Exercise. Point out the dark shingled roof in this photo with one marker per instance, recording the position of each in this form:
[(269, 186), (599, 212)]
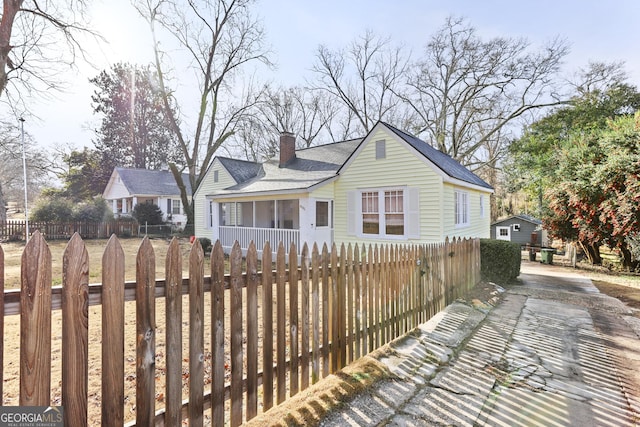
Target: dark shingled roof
[(446, 163), (314, 165), (523, 217), (240, 170), (149, 182), (310, 166)]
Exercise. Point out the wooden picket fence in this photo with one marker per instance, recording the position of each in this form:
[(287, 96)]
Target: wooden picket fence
[(324, 310), (15, 229)]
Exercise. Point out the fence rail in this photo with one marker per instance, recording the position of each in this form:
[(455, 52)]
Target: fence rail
[(280, 331), (13, 230)]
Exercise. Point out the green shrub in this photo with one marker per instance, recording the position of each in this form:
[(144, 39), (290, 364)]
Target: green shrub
[(147, 213), (205, 242), (50, 209), (95, 210), (500, 260)]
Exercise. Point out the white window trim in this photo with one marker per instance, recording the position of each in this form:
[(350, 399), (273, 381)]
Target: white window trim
[(210, 212), (381, 213), (461, 198), (482, 210), (173, 202)]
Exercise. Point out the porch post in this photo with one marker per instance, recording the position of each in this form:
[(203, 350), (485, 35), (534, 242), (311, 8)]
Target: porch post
[(215, 220), (306, 217)]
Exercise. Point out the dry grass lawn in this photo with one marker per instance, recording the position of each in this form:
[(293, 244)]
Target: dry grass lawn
[(95, 248)]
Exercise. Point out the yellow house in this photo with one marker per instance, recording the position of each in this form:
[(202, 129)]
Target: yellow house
[(386, 187)]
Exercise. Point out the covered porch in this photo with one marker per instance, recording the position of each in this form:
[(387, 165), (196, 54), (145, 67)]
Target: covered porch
[(295, 220)]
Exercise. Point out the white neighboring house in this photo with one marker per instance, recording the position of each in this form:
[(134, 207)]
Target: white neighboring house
[(127, 187)]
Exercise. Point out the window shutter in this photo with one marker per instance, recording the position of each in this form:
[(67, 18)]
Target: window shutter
[(169, 206), (413, 213), (352, 212)]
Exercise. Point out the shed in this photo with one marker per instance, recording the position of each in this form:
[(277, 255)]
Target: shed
[(520, 229)]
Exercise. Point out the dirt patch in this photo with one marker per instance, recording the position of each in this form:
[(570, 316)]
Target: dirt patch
[(627, 294)]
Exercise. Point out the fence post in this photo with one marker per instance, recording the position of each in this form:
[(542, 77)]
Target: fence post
[(113, 333), (294, 337), (217, 335), (235, 261), (315, 313), (145, 333), (75, 332), (252, 332), (196, 335), (173, 334), (35, 323), (325, 310), (281, 319), (267, 321), (304, 312)]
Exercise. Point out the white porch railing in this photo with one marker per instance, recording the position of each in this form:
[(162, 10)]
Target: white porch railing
[(244, 236)]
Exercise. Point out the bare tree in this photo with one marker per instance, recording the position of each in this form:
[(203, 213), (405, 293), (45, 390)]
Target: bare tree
[(37, 39), (31, 36), (38, 166), (307, 114), (465, 92), (220, 38), (365, 79)]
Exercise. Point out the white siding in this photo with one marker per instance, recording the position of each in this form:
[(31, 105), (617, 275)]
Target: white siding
[(116, 190), (201, 204)]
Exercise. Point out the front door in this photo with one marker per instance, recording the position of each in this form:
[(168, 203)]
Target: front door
[(503, 233), (324, 223)]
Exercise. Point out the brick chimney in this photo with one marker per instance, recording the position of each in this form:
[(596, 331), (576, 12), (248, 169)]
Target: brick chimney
[(287, 148)]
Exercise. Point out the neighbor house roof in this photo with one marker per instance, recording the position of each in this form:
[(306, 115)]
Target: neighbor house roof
[(523, 217), (151, 182), (311, 166), (446, 163)]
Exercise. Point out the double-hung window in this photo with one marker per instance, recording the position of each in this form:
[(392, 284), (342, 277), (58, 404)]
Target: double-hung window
[(176, 204), (383, 212), (370, 212), (461, 208)]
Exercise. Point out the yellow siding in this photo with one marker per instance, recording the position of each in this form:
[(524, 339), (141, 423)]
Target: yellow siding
[(400, 167), (478, 226), (208, 186), (324, 192)]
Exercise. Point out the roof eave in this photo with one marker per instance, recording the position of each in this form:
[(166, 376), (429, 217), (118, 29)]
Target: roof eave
[(241, 195), (461, 183)]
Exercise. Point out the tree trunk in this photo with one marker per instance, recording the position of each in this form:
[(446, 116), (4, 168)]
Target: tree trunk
[(592, 251), (3, 210), (187, 199), (10, 9), (628, 263)]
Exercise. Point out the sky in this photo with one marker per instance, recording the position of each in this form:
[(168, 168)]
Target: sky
[(595, 30)]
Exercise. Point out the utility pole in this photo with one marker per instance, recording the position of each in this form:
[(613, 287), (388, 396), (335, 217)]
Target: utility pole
[(24, 170)]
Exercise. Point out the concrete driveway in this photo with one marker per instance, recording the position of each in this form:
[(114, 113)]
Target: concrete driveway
[(553, 352)]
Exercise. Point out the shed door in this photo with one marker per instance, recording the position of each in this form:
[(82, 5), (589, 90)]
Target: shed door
[(503, 233)]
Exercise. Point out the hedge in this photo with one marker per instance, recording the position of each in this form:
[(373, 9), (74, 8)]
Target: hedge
[(500, 260)]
